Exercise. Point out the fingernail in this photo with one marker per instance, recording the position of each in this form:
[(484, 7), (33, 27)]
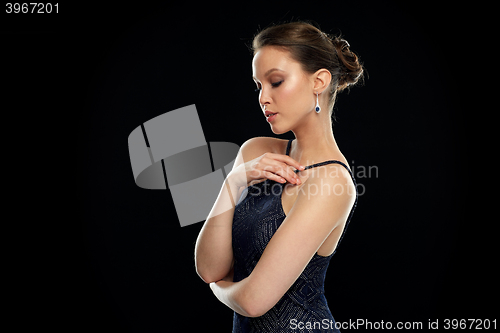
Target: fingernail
[(302, 167)]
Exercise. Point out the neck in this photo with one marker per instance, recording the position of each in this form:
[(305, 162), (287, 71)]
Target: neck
[(314, 139)]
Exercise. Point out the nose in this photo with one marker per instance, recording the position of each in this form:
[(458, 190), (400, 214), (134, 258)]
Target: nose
[(264, 98)]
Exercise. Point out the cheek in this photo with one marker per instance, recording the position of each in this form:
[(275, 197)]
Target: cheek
[(295, 96)]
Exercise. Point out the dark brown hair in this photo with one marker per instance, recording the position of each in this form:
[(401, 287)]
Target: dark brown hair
[(314, 50)]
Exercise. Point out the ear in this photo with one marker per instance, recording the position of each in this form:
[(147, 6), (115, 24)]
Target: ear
[(321, 79)]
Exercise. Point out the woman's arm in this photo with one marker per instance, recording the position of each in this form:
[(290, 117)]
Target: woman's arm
[(232, 294), (320, 207), (213, 252)]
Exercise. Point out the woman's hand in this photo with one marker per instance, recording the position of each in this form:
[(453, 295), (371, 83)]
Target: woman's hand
[(277, 167)]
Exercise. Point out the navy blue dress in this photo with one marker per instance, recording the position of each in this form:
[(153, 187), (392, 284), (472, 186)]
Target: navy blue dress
[(303, 308)]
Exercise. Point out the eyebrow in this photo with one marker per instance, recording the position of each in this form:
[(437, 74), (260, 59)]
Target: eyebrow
[(270, 71)]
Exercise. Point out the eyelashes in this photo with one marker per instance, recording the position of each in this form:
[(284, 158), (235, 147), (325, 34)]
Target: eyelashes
[(277, 84), (274, 85)]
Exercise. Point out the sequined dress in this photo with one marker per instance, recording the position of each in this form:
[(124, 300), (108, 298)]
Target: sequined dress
[(303, 308)]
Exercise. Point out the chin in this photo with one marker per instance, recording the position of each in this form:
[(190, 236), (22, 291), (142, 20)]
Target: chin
[(277, 131), (280, 127)]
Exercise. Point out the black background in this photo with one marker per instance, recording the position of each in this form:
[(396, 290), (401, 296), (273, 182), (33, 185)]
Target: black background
[(103, 254)]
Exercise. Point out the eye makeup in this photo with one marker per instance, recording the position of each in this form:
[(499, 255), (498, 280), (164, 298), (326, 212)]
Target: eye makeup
[(273, 84)]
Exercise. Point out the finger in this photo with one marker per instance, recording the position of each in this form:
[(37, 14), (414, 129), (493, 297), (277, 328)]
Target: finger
[(283, 170), (273, 176), (290, 161), (286, 171), (282, 165)]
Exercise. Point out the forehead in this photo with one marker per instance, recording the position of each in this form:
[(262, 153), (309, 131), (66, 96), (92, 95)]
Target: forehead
[(270, 57)]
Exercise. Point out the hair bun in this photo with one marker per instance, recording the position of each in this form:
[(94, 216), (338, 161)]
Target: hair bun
[(351, 71)]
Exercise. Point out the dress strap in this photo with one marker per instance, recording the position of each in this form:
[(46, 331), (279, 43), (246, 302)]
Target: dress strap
[(289, 145), (329, 162)]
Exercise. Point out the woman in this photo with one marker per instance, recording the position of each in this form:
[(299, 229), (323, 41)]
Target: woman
[(266, 258)]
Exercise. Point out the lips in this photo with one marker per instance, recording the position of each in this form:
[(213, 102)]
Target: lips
[(269, 114)]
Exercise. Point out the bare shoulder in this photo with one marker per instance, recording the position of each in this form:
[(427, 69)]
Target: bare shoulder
[(333, 180), (255, 147)]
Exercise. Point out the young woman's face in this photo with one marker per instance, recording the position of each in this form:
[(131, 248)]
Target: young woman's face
[(285, 89)]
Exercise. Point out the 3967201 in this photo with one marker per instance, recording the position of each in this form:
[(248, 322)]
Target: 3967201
[(470, 324), (31, 8)]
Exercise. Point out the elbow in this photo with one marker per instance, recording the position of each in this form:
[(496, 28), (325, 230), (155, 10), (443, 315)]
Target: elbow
[(254, 311), (252, 305), (209, 271), (207, 274), (207, 278), (203, 271)]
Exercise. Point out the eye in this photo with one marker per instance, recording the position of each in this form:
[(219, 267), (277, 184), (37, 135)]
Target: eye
[(259, 88), (276, 84)]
